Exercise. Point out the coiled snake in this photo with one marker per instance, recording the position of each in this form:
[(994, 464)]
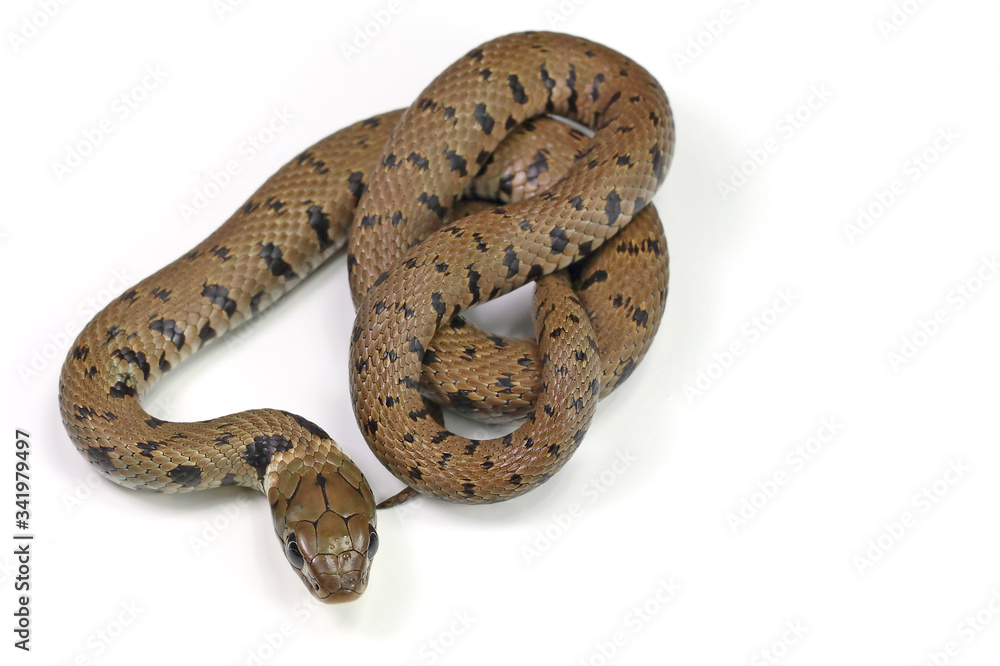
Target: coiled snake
[(387, 185)]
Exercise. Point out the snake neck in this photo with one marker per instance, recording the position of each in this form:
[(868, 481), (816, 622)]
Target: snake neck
[(227, 280)]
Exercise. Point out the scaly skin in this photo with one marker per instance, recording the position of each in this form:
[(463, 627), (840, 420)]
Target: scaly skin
[(457, 120), (323, 509)]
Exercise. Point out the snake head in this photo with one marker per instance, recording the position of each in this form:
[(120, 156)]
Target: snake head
[(324, 515)]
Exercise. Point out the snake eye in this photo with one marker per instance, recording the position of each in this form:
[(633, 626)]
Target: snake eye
[(293, 553), (372, 542)]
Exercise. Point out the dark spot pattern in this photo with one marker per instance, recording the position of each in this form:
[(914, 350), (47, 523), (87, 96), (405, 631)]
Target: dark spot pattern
[(147, 448), (121, 389), (309, 160), (188, 476), (221, 252), (261, 450), (511, 261), (432, 202), (558, 239), (596, 276), (418, 161), (278, 206), (456, 162), (613, 207), (162, 294), (100, 457), (437, 302), (135, 358), (484, 119), (255, 302), (219, 296), (273, 258), (355, 185), (573, 94), (168, 329), (595, 92), (206, 333), (517, 89), (319, 220), (473, 283)]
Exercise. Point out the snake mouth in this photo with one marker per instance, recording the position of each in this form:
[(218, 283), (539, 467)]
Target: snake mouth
[(338, 578)]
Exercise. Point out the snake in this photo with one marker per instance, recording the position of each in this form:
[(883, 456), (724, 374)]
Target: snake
[(477, 188)]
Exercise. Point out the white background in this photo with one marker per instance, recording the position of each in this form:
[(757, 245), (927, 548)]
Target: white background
[(803, 558)]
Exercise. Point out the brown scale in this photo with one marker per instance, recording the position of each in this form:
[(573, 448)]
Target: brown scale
[(323, 509), (623, 286), (467, 108)]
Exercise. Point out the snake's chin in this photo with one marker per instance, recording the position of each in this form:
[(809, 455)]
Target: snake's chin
[(341, 596)]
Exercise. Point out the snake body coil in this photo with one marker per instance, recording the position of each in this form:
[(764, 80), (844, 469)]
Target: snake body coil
[(387, 185)]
